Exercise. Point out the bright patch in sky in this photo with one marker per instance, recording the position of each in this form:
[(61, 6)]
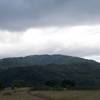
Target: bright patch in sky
[(82, 41)]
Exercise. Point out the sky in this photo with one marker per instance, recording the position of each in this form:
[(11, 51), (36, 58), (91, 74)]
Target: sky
[(68, 27)]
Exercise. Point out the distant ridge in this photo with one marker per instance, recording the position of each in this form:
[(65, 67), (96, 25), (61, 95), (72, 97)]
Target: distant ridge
[(37, 69), (41, 60)]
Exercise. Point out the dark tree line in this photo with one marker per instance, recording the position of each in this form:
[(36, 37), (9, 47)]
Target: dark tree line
[(51, 84), (2, 86)]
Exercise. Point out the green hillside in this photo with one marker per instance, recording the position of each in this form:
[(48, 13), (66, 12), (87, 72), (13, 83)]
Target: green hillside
[(42, 60), (39, 69)]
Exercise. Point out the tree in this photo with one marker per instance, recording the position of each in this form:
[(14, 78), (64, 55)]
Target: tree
[(18, 84), (51, 83), (67, 84), (1, 85)]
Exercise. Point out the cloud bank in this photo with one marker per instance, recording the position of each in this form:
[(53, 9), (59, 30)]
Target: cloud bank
[(19, 15), (54, 40), (70, 27)]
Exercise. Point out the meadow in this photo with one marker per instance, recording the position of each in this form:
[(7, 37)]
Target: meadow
[(24, 94)]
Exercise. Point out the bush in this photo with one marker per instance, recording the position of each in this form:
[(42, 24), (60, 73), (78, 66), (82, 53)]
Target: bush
[(17, 84), (7, 93), (1, 85), (67, 84)]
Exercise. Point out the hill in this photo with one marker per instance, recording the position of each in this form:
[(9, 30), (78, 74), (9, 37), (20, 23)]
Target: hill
[(38, 69), (42, 60)]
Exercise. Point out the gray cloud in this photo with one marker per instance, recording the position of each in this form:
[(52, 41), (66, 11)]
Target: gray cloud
[(79, 41), (22, 14)]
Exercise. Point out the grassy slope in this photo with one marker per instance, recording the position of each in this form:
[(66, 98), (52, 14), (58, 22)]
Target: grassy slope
[(69, 95), (50, 95), (18, 94)]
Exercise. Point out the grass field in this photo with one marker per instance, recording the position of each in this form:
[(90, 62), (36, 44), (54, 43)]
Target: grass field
[(69, 95), (22, 94)]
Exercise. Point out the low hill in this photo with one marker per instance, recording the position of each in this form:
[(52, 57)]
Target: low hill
[(39, 69), (42, 60)]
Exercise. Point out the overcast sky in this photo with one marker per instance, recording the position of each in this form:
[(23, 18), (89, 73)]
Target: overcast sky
[(70, 27)]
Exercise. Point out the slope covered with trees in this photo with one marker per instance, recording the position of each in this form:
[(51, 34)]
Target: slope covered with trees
[(42, 60), (46, 69)]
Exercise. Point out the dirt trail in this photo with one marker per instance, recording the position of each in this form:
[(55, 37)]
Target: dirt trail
[(38, 98), (35, 97)]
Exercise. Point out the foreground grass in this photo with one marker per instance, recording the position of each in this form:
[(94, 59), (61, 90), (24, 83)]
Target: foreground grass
[(69, 95), (23, 94), (19, 94)]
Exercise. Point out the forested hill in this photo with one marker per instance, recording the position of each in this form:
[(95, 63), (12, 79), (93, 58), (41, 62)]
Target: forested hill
[(39, 69), (44, 60)]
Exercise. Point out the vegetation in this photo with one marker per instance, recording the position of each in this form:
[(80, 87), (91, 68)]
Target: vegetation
[(17, 84), (68, 95), (45, 60), (86, 77), (23, 94), (1, 85), (56, 71)]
